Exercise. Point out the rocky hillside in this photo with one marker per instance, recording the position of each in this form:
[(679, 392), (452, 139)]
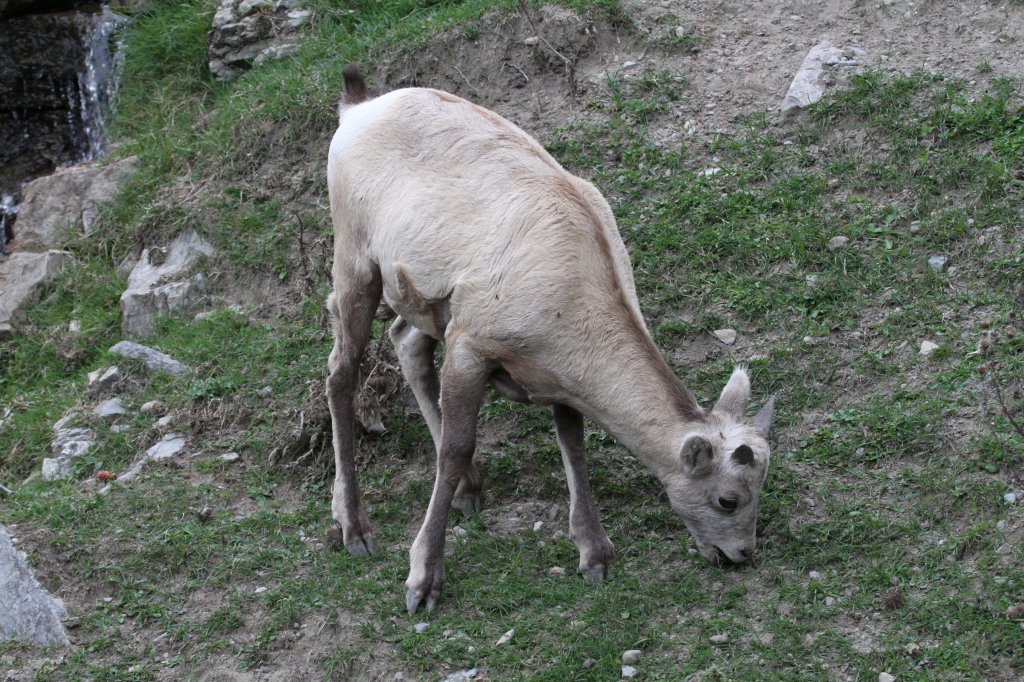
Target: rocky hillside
[(829, 195)]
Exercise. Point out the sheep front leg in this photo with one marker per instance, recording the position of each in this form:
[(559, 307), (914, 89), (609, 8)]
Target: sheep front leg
[(415, 351), (585, 529), (462, 384)]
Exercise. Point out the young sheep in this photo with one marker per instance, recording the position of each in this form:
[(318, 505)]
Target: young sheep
[(476, 236)]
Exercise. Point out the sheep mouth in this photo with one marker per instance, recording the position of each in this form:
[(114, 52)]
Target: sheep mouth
[(722, 558)]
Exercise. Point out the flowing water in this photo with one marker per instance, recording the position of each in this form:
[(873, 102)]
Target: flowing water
[(60, 76)]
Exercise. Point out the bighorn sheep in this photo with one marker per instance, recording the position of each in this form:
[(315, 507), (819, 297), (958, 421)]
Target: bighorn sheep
[(476, 236)]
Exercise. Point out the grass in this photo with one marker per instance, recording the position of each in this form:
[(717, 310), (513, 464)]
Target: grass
[(885, 543)]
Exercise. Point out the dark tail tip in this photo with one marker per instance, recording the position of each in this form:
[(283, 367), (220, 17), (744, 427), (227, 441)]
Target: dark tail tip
[(355, 85)]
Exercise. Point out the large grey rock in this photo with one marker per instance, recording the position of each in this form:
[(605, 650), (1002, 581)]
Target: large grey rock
[(27, 611), (247, 33), (104, 380), (154, 360), (22, 279), (69, 443), (55, 206), (110, 410), (155, 287), (817, 72)]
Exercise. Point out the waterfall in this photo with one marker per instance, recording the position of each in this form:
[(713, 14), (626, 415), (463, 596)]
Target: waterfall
[(58, 71)]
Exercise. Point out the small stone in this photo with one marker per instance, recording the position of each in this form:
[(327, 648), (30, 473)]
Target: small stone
[(830, 601), (1010, 498), (109, 410), (74, 326), (1001, 525), (166, 447), (628, 671), (154, 360), (720, 639), (420, 628), (708, 172), (913, 648), (104, 380), (230, 457), (837, 243), (265, 391), (726, 336), (886, 677), (531, 41), (460, 533), (927, 347), (1015, 611), (259, 590), (717, 587), (631, 656), (537, 526), (629, 64), (680, 31), (462, 676), (589, 663), (504, 639), (204, 514), (152, 407), (557, 571), (1004, 548), (165, 421), (937, 263), (814, 575)]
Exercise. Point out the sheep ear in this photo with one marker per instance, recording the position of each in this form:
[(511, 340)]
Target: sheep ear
[(696, 455), (763, 419), (735, 395)]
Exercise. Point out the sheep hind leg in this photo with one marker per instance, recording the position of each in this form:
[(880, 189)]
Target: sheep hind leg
[(415, 351), (352, 307)]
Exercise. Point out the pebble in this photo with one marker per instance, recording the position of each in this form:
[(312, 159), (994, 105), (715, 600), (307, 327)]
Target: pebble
[(814, 575), (631, 656), (837, 243), (708, 172), (532, 40), (1004, 549), (629, 64), (589, 663), (720, 639), (936, 263), (460, 532), (1010, 498), (420, 628), (259, 590), (886, 677), (628, 671), (537, 526), (913, 648), (230, 457), (505, 638), (927, 347), (556, 570), (717, 587), (164, 422), (830, 601), (265, 391), (1001, 525), (461, 676), (152, 407), (726, 336)]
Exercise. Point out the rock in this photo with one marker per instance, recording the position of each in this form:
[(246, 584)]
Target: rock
[(165, 421), (837, 243), (537, 526), (1004, 548), (460, 533), (531, 41), (27, 611), (557, 571), (719, 639), (815, 75), (462, 676), (628, 671), (55, 205), (230, 457), (708, 172), (814, 575), (109, 410), (927, 347), (589, 663), (154, 360), (631, 656), (936, 263), (421, 627), (913, 649), (247, 33), (155, 288), (1015, 611), (726, 336), (505, 638), (1010, 498), (265, 392), (152, 407), (104, 380), (167, 447), (830, 601), (23, 276), (886, 677), (68, 444)]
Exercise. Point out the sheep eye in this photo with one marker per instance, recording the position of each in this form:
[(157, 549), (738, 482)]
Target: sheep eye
[(727, 503)]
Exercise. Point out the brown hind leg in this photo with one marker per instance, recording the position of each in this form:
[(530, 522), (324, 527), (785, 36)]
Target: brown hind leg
[(352, 306)]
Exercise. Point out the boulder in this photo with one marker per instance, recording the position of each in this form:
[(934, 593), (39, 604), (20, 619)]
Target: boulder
[(247, 33), (67, 201), (818, 71), (27, 611), (156, 287), (22, 279)]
